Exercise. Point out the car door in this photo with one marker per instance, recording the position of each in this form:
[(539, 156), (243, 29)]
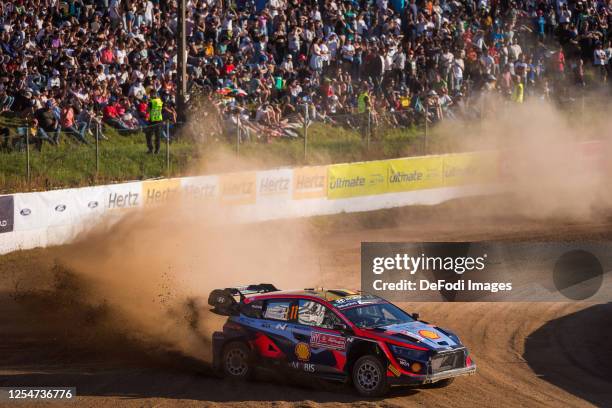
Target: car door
[(320, 348), (273, 338)]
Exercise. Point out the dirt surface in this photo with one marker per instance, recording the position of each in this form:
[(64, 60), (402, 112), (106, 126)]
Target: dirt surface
[(528, 354)]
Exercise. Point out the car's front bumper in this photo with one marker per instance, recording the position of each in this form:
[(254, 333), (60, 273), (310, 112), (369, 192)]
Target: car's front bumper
[(433, 377), (443, 375)]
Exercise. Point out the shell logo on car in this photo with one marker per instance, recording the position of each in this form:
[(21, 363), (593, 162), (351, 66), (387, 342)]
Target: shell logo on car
[(428, 334), (302, 351)]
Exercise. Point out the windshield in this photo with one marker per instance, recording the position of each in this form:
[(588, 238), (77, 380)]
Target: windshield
[(377, 315)]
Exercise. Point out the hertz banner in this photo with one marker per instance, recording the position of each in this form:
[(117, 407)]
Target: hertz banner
[(238, 188), (309, 182), (357, 179), (415, 173), (200, 188), (156, 192)]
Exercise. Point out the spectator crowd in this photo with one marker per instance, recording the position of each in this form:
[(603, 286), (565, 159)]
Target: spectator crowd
[(70, 64)]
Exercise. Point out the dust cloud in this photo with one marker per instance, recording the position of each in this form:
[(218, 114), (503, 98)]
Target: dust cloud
[(552, 161), (157, 266)]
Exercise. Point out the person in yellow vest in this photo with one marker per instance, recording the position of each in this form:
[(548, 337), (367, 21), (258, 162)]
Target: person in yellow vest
[(363, 100), (364, 106), (518, 91), (155, 123)]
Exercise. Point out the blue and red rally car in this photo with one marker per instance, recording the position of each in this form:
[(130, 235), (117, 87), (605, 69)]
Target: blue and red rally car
[(334, 334)]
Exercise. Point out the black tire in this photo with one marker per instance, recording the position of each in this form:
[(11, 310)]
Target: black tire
[(441, 383), (237, 361), (370, 376)]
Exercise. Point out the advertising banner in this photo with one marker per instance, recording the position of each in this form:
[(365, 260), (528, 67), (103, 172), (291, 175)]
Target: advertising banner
[(91, 200), (30, 212), (123, 196), (200, 188), (415, 173), (274, 185), (45, 209), (471, 168), (68, 207), (156, 192), (238, 188), (7, 212), (357, 179), (309, 182)]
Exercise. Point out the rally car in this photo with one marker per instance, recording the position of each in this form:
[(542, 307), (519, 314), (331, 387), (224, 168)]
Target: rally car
[(334, 334)]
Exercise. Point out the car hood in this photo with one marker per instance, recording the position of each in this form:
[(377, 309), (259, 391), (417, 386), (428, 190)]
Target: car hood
[(418, 332)]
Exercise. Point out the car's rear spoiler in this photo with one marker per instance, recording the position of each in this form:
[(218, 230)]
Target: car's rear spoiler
[(224, 301)]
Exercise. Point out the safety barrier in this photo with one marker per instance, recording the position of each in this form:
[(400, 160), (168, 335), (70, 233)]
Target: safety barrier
[(40, 219)]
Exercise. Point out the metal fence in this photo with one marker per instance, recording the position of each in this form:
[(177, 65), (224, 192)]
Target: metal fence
[(33, 151), (372, 127)]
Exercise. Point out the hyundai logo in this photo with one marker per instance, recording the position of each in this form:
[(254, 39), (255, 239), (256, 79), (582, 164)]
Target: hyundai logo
[(92, 204), (25, 212), (60, 207)]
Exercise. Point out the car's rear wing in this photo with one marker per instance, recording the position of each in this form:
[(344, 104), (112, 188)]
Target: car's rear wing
[(224, 301)]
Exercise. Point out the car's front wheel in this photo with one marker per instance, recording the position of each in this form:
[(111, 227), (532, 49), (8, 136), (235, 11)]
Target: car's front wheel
[(370, 376), (237, 361)]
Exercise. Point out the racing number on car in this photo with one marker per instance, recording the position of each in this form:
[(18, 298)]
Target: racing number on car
[(293, 311)]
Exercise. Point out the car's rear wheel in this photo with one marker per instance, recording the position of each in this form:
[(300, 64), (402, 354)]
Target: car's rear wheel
[(237, 361), (370, 376)]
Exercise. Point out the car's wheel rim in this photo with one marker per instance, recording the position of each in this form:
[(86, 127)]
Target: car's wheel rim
[(368, 376), (236, 362)]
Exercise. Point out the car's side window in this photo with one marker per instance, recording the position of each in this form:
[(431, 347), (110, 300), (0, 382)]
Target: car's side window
[(281, 309), (311, 313), (331, 319)]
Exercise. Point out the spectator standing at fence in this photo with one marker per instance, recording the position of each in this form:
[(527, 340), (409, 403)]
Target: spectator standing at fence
[(170, 114), (154, 128), (363, 100), (518, 90)]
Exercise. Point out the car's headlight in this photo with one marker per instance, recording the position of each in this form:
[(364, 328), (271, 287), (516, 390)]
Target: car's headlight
[(410, 354)]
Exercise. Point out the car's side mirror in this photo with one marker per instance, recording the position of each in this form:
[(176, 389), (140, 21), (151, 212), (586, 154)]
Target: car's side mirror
[(415, 316)]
